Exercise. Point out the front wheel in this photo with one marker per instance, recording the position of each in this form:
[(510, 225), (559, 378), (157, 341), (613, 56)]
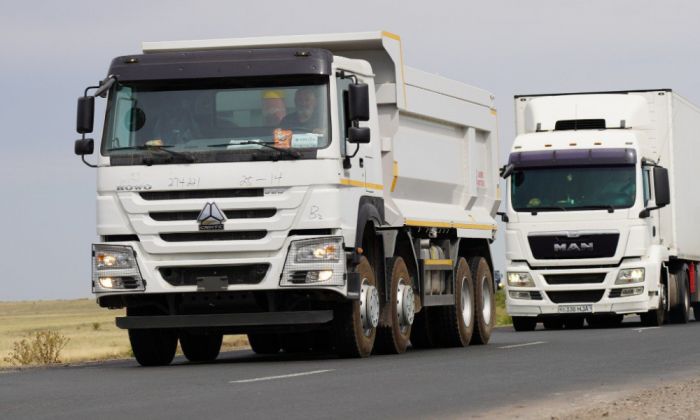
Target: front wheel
[(524, 323), (153, 347), (656, 317), (484, 298)]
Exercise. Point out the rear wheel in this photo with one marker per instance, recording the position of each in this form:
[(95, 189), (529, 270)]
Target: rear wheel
[(394, 330), (355, 324), (264, 343), (553, 323), (485, 307), (200, 347), (524, 323), (680, 312), (457, 321)]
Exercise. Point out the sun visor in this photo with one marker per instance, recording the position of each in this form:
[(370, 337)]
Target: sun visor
[(578, 157)]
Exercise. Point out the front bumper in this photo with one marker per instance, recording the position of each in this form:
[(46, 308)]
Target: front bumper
[(241, 320), (647, 300)]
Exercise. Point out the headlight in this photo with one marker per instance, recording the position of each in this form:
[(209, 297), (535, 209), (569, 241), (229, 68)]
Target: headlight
[(114, 268), (520, 280), (630, 275), (315, 261)]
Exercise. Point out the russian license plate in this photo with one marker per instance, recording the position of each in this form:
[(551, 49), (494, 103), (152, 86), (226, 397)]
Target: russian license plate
[(575, 309)]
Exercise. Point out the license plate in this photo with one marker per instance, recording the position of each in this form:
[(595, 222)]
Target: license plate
[(575, 309)]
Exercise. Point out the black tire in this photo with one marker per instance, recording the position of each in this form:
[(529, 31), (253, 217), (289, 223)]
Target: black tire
[(524, 323), (264, 343), (575, 323), (153, 347), (680, 311), (454, 329), (656, 317), (393, 334), (484, 297), (423, 335), (553, 323), (604, 321), (200, 347), (350, 337)]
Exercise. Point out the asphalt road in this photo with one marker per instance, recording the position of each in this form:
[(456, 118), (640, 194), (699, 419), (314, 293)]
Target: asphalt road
[(515, 368)]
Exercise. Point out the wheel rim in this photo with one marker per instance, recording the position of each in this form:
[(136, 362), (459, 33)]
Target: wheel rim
[(405, 309), (467, 309), (486, 297), (369, 307)]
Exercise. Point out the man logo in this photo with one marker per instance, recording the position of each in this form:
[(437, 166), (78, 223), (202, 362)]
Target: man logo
[(211, 218), (573, 247)]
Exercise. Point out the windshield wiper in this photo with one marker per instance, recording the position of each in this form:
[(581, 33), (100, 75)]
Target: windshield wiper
[(609, 207), (164, 148), (295, 155), (535, 210)]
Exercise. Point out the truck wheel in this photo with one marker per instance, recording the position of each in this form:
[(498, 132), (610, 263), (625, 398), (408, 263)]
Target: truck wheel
[(200, 347), (355, 324), (264, 343), (153, 347), (485, 308), (394, 330), (680, 312), (656, 317), (553, 324), (524, 323), (457, 321)]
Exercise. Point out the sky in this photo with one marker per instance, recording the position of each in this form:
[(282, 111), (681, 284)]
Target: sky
[(50, 51)]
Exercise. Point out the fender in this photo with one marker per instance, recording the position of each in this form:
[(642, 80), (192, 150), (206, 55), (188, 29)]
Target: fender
[(370, 209)]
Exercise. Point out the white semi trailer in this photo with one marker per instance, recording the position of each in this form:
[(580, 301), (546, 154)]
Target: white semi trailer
[(312, 192), (602, 209)]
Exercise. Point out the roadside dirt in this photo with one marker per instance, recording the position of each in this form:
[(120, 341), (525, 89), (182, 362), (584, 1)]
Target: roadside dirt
[(675, 399)]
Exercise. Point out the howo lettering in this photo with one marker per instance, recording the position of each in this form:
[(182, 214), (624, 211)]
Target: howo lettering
[(312, 192), (602, 209)]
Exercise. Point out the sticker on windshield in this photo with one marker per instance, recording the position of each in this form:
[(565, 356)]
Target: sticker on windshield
[(305, 140), (283, 138)]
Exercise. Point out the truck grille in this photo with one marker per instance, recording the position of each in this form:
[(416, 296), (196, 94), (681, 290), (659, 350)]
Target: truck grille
[(194, 194), (236, 274), (575, 296), (248, 235), (574, 278), (170, 216), (557, 247)]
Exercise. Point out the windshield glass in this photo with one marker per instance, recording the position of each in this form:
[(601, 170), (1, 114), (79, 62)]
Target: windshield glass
[(560, 189), (217, 120)]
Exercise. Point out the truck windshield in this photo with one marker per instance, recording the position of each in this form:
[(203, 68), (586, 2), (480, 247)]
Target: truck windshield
[(573, 188), (215, 121)]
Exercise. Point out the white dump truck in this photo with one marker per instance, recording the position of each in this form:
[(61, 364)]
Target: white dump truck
[(602, 210), (311, 192)]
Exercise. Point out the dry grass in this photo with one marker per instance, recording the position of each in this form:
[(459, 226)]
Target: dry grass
[(90, 329)]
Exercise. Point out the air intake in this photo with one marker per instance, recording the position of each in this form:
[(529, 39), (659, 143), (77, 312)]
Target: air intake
[(596, 124)]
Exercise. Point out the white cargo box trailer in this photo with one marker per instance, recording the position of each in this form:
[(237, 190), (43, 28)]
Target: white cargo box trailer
[(386, 195), (650, 263)]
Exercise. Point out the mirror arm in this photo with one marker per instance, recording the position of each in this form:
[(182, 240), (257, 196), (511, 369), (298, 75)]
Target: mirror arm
[(504, 216), (86, 162)]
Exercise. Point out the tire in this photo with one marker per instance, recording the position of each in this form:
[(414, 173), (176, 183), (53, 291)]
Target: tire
[(423, 335), (604, 321), (524, 323), (456, 326), (200, 347), (484, 296), (680, 312), (264, 343), (656, 317), (574, 323), (351, 336), (553, 323), (153, 347), (394, 329)]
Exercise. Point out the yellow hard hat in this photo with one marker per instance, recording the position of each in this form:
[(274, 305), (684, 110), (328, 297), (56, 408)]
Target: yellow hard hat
[(273, 94)]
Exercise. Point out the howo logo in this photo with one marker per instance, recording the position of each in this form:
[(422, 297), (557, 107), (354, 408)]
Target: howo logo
[(142, 187), (574, 247), (211, 217)]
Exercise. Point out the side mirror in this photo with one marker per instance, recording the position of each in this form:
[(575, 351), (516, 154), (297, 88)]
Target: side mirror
[(86, 114), (358, 134), (662, 191), (358, 102), (84, 147), (507, 170)]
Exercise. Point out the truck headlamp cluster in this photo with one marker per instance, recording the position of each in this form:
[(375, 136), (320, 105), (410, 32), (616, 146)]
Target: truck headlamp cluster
[(630, 276), (315, 261), (520, 280), (114, 268)]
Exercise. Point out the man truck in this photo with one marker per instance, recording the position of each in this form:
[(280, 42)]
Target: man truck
[(312, 192), (601, 210)]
